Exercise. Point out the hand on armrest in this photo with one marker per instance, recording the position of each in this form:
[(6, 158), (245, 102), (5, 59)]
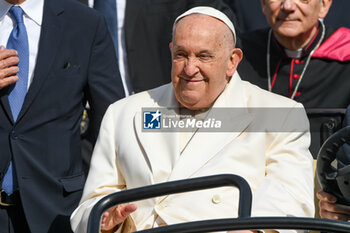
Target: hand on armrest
[(116, 215)]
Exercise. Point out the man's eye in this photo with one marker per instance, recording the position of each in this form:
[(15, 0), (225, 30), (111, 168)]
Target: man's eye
[(180, 55), (204, 56)]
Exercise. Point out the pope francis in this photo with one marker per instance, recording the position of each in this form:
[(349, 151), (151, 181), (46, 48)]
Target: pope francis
[(276, 163)]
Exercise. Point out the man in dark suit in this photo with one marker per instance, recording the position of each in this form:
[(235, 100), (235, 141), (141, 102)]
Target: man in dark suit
[(74, 62)]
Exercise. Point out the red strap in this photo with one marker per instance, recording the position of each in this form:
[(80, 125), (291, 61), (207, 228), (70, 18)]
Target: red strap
[(291, 77), (275, 75)]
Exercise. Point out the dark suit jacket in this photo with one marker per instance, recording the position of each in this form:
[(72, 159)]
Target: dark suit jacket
[(76, 62), (249, 15), (148, 29)]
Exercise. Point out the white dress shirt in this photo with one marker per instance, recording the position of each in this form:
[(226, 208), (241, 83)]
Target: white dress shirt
[(122, 58), (32, 17)]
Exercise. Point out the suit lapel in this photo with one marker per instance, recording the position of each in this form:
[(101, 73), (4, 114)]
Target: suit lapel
[(205, 145), (161, 148), (50, 37)]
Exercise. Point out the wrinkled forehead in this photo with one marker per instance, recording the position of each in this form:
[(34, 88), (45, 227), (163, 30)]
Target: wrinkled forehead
[(211, 12)]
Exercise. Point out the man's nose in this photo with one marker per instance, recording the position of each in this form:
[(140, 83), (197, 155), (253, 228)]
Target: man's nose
[(191, 67), (288, 5)]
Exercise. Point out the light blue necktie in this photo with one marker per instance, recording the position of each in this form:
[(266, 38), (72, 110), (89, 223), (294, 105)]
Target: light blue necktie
[(18, 40), (109, 9)]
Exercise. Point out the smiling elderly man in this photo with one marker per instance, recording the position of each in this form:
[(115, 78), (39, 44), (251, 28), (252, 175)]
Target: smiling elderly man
[(302, 58), (277, 165), (298, 56)]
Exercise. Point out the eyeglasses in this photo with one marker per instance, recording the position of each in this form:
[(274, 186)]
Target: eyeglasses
[(296, 1)]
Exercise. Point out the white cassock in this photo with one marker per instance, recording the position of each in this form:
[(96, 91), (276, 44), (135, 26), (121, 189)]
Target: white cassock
[(277, 165)]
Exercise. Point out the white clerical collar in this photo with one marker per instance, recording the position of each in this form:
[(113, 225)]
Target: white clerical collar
[(293, 53)]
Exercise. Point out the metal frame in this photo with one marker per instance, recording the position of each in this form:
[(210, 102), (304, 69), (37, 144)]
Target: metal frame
[(244, 221), (245, 195), (255, 223)]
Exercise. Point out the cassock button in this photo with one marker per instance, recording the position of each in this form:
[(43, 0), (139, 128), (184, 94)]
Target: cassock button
[(296, 76), (297, 93), (216, 199), (297, 61)]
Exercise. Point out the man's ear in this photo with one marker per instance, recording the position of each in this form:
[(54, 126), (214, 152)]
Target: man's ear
[(235, 59), (325, 6), (170, 46)]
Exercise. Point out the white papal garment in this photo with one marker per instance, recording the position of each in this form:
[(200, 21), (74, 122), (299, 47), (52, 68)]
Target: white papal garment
[(276, 164)]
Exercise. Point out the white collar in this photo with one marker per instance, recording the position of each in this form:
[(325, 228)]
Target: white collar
[(4, 8), (32, 8), (293, 53)]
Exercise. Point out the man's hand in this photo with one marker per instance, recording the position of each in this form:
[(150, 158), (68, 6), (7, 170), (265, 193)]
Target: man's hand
[(8, 66), (116, 215), (330, 209)]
